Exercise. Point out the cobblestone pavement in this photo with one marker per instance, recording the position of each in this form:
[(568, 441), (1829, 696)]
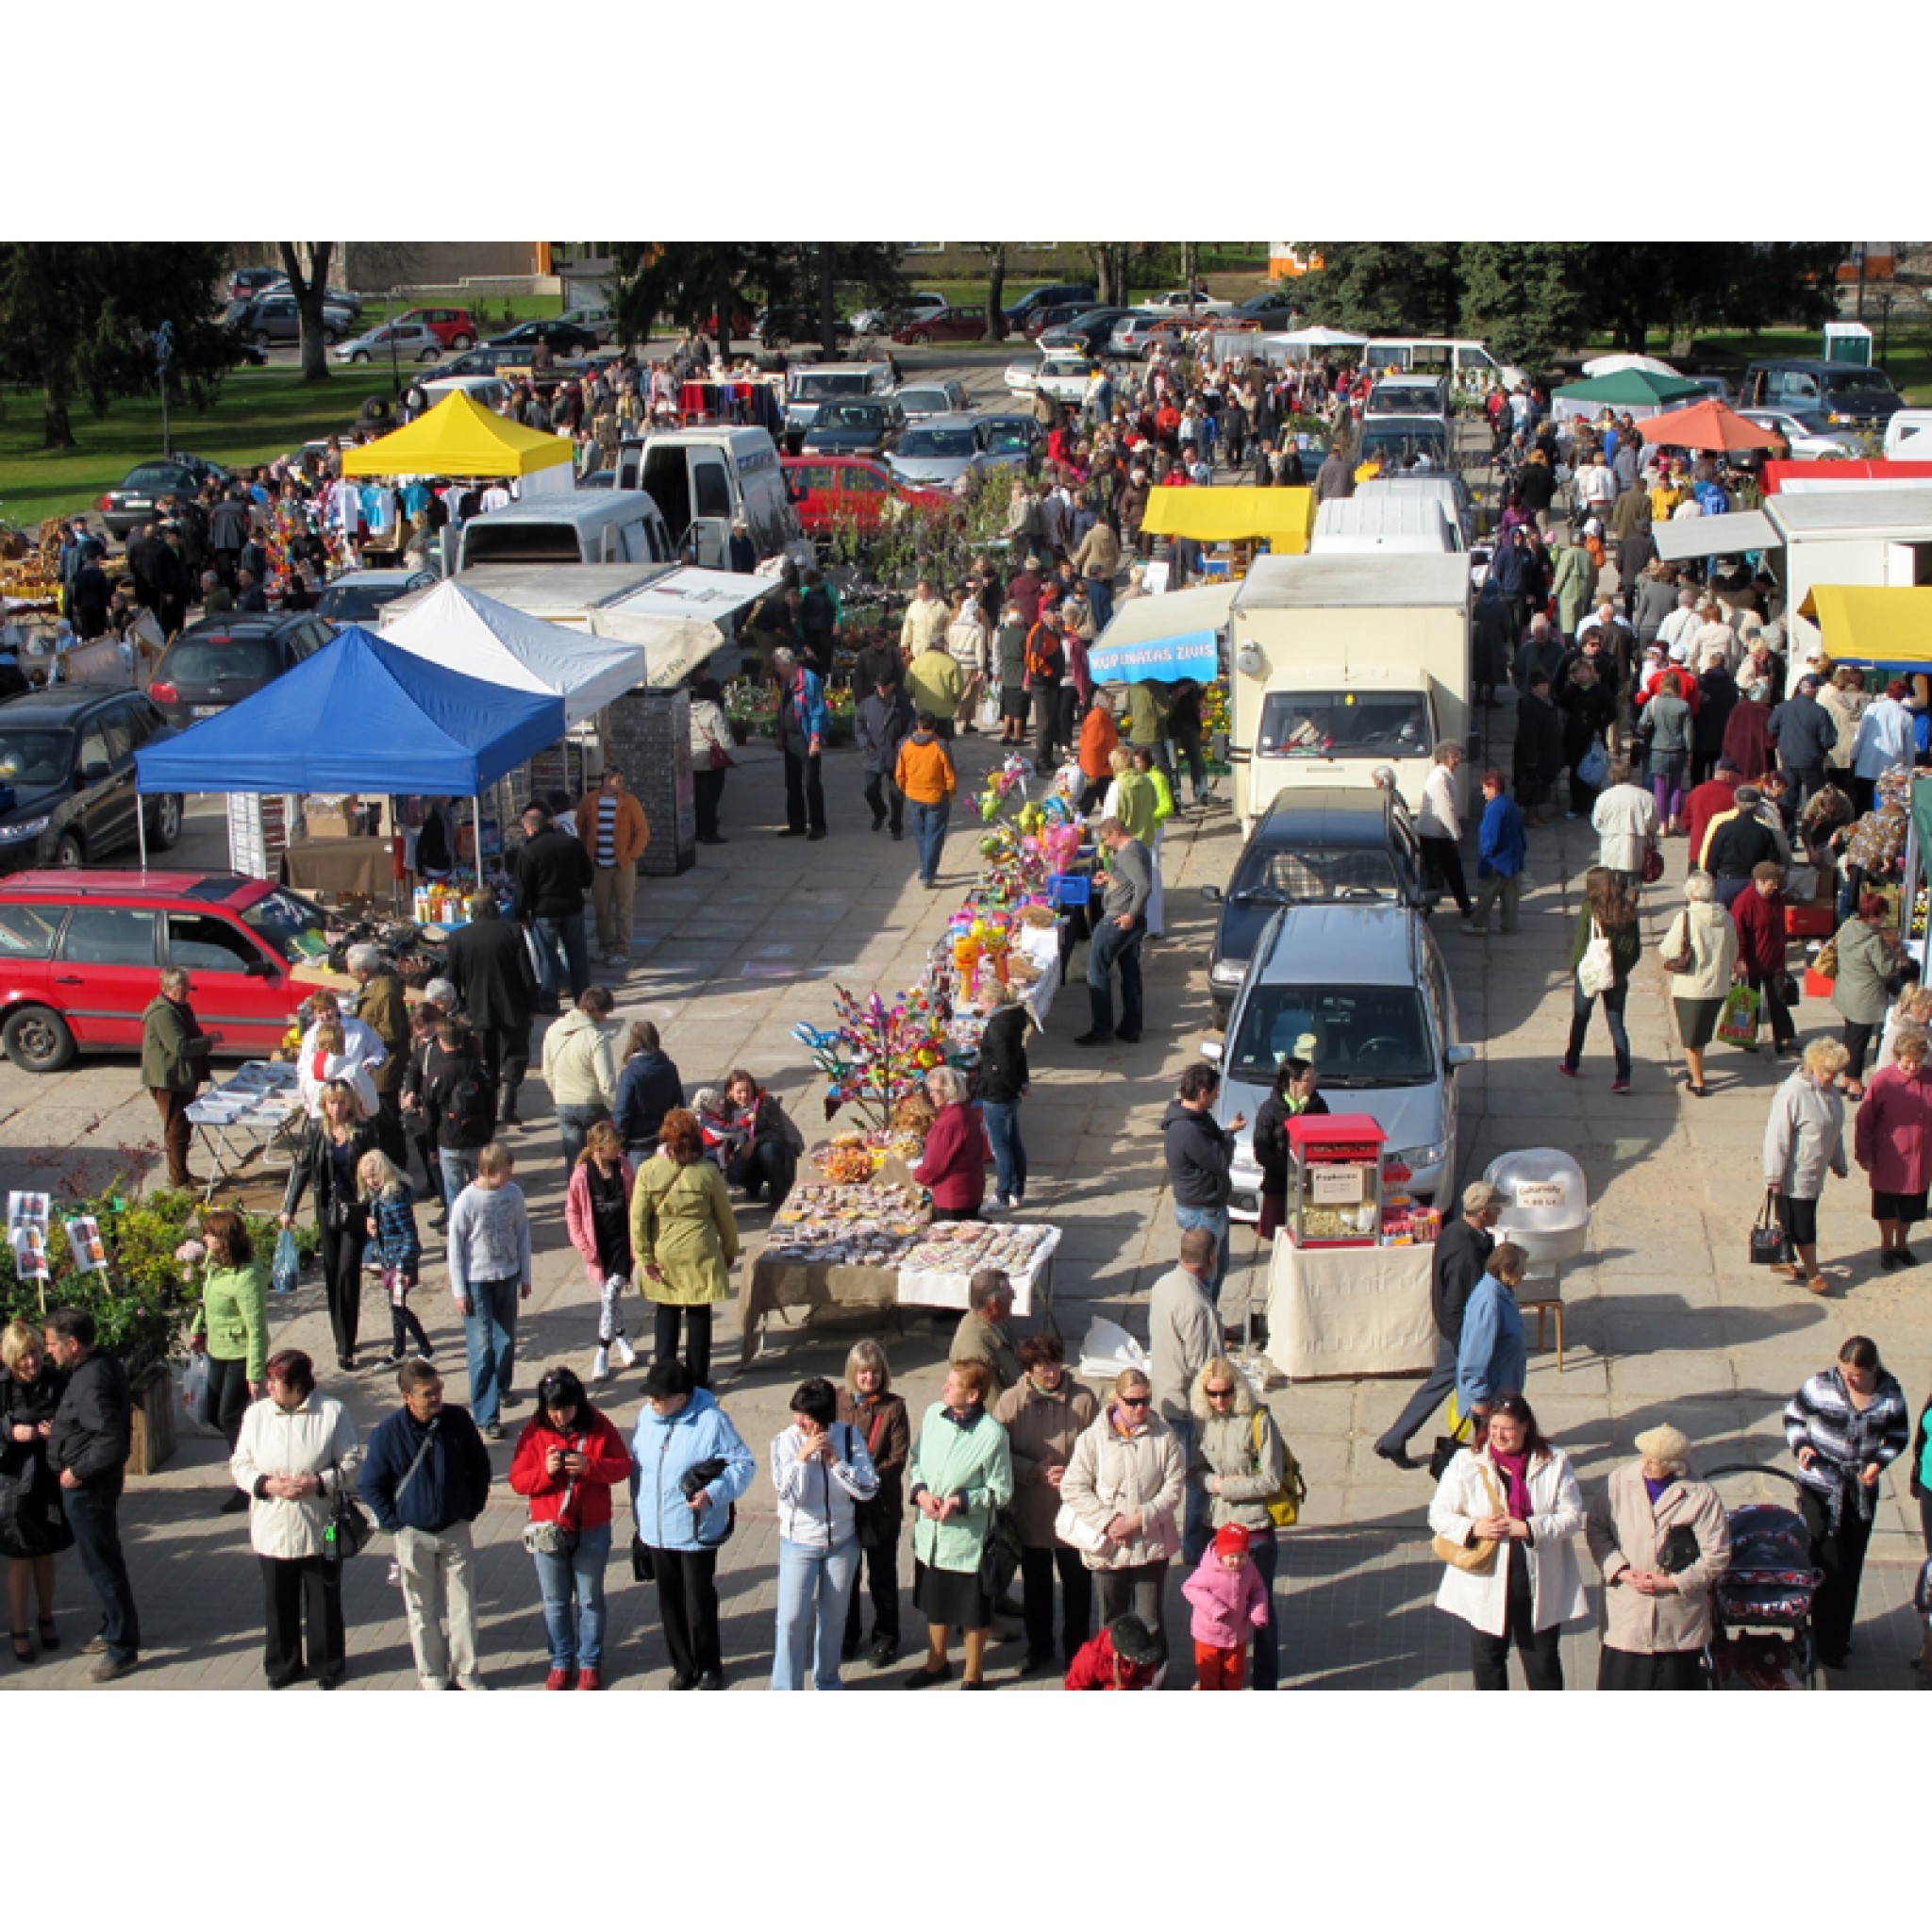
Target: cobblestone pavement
[(1665, 1319)]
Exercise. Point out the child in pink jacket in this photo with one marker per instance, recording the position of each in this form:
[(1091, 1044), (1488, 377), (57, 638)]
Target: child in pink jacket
[(1229, 1598)]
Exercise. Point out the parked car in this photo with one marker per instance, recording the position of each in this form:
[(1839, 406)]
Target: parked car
[(245, 283), (358, 595), (784, 323), (81, 954), (266, 319), (1314, 845), (1399, 442), (1808, 431), (1052, 315), (562, 338), (1051, 294), (1908, 436), (1717, 388), (1270, 310), (1013, 440), (1133, 335), (407, 342), (949, 325), (806, 388), (910, 308), (220, 661), (67, 775), (834, 494), (1064, 375), (332, 298), (600, 325), (1360, 991), (937, 398), (1850, 395), (854, 425), (132, 502), (452, 327), (1089, 330), (485, 363), (935, 451), (1189, 301)]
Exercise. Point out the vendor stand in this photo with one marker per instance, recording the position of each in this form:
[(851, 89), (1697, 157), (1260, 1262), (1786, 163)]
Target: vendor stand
[(258, 1108)]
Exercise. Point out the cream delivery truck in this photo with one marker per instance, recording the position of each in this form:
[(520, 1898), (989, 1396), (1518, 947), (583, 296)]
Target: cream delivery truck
[(1340, 663)]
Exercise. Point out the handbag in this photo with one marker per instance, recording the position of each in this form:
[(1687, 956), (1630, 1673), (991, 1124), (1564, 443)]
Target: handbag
[(875, 1520), (1596, 972), (553, 1538), (721, 759), (1684, 961), (1678, 1551), (644, 1560), (1652, 865), (1461, 1435), (287, 1270), (1594, 768), (701, 1475), (1072, 1528), (1771, 1246), (348, 1530), (1477, 1558), (1284, 1507), (1790, 991)]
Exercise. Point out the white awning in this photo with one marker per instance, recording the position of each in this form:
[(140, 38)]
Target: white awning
[(1730, 534), (1149, 619)]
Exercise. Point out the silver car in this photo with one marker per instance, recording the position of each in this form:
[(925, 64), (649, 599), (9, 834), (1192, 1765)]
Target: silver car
[(1360, 991), (935, 452), (936, 398)]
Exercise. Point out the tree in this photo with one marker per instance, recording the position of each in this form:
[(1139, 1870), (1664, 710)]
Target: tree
[(1387, 288), (1527, 299), (705, 285), (995, 253), (80, 319), (310, 289)]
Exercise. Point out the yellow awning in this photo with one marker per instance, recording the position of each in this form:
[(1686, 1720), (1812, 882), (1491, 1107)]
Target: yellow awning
[(1285, 516), (457, 438), (1875, 624)]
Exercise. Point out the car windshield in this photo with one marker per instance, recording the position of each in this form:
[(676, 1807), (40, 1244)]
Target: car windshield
[(933, 401), (1005, 436), (1343, 725), (35, 758), (287, 925), (1357, 1036), (152, 476), (1811, 421), (1398, 402), (814, 388), (937, 442), (851, 416), (351, 603), (1403, 447), (1282, 874), (222, 661), (1872, 382)]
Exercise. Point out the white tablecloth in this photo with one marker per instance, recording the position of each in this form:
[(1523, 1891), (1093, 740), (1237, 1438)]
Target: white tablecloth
[(1350, 1311), (924, 1289)]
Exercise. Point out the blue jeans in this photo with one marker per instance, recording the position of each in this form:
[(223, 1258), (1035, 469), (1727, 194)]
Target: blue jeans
[(1100, 598), (1109, 947), (574, 1125), (1197, 1532), (814, 1588), (1215, 1221), (1612, 998), (489, 1339), (573, 1588), (94, 1517), (1009, 1154), (561, 955), (930, 834), (458, 1166)]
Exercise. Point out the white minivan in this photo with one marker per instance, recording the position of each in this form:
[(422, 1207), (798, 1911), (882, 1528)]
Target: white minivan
[(1467, 364), (587, 527), (704, 480), (1412, 524)]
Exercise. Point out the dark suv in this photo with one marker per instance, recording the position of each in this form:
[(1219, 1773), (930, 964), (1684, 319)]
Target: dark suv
[(1848, 395), (794, 322), (67, 777), (221, 660), (1053, 296), (1316, 844)]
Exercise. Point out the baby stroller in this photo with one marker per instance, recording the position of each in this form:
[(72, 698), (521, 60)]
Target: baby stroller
[(1761, 1607)]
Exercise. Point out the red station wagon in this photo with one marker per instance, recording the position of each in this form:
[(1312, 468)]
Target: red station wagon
[(837, 493), (82, 955)]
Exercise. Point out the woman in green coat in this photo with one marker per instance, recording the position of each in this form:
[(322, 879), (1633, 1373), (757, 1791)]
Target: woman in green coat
[(1866, 960), (1609, 910), (685, 1239), (961, 1476), (1575, 583), (231, 1329)]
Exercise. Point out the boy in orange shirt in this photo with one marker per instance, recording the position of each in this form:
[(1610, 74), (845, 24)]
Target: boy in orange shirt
[(924, 773)]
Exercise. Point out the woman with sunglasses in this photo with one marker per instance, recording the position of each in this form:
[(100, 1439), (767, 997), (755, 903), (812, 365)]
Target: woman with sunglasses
[(1123, 1488), (1518, 1494), (1240, 1461)]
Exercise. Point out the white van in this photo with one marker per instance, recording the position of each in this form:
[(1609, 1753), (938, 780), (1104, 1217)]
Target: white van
[(1908, 437), (704, 479), (1409, 524), (1433, 486), (487, 392), (587, 526), (1408, 394), (1467, 364)]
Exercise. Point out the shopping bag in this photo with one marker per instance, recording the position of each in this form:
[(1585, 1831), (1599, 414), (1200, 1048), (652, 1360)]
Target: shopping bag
[(1739, 1023), (1771, 1247), (990, 712), (286, 1268), (1594, 768), (194, 1383), (1596, 972)]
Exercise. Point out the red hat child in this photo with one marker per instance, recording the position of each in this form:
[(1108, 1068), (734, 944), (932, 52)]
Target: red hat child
[(1230, 1540)]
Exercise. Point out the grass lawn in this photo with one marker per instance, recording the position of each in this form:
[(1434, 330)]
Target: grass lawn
[(260, 415), (1907, 359)]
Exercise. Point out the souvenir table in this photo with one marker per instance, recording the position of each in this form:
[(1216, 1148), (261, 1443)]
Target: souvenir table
[(258, 1107)]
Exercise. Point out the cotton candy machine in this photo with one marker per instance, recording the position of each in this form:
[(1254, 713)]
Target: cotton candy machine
[(1546, 1205)]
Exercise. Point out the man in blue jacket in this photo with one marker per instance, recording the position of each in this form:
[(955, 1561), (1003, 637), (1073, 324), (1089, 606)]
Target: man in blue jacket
[(426, 1477), (1502, 850), (1492, 1357), (804, 725)]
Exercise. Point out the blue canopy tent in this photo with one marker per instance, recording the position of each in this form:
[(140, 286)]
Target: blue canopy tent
[(360, 715)]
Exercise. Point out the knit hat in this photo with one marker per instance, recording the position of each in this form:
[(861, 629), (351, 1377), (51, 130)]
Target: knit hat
[(1133, 1643), (1664, 1444), (1231, 1539)]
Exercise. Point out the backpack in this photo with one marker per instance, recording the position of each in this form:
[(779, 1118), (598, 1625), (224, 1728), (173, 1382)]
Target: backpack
[(469, 1106), (1043, 657)]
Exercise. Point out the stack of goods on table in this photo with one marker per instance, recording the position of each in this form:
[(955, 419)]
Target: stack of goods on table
[(855, 1156), (865, 1225), (961, 1247)]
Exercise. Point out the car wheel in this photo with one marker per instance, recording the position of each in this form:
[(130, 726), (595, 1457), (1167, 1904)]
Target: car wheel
[(69, 851), (330, 337), (430, 355), (358, 354), (462, 342), (164, 825), (36, 1040), (920, 339), (261, 339)]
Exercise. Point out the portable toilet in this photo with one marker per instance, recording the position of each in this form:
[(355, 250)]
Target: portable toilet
[(1848, 342)]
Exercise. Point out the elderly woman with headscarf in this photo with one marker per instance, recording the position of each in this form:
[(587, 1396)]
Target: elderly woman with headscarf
[(1661, 1541)]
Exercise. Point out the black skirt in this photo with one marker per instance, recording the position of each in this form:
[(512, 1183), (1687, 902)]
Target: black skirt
[(1666, 1670), (953, 1597), (1907, 1208)]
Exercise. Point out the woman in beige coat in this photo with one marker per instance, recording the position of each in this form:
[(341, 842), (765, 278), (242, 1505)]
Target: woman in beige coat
[(1123, 1488), (1661, 1541), (683, 1238), (1703, 935)]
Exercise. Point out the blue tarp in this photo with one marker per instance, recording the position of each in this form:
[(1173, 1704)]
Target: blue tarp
[(360, 715), (1157, 660)]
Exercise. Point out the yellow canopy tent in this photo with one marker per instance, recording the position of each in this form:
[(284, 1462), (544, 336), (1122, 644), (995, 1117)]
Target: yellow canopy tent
[(1872, 623), (1285, 516), (457, 438)]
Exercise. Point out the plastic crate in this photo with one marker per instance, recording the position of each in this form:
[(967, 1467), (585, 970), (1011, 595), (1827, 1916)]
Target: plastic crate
[(1069, 888), (1808, 922)]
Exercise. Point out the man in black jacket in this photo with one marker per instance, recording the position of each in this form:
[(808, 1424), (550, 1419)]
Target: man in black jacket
[(1199, 1156), (1806, 735), (1462, 1254), (489, 965), (554, 872), (426, 1477), (91, 1433)]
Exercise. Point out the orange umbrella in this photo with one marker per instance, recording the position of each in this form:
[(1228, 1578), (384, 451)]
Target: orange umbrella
[(1711, 424)]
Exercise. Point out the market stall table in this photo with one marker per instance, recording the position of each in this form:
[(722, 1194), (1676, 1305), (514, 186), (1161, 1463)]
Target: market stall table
[(259, 1105), (340, 867), (1350, 1311)]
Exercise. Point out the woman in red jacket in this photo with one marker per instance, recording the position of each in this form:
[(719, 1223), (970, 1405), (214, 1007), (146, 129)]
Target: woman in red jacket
[(568, 1459), (954, 1164), (1759, 913), (1893, 1143)]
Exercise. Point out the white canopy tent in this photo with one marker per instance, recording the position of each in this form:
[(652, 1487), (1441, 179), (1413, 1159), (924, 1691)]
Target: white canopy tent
[(680, 619), (1615, 365), (455, 627), (1305, 342)]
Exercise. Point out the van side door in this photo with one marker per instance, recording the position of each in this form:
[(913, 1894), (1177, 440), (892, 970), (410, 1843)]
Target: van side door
[(709, 536)]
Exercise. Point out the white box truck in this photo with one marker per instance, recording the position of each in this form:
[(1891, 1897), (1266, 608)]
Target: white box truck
[(1340, 663)]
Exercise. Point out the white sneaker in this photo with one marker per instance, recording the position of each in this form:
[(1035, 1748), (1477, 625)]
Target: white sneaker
[(600, 1366), (998, 1205), (625, 1353)]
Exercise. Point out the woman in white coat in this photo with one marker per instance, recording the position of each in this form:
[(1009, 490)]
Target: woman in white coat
[(296, 1449), (1520, 1492)]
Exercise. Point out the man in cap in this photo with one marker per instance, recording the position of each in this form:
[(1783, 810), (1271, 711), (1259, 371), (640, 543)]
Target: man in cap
[(1806, 735), (1738, 842)]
